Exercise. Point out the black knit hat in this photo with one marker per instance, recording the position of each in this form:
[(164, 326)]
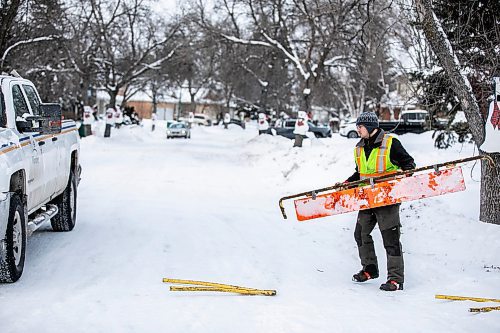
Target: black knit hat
[(368, 120)]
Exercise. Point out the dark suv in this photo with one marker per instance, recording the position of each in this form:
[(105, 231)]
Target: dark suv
[(288, 126)]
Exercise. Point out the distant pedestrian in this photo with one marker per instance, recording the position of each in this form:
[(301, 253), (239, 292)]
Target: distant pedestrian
[(301, 128), (227, 119), (263, 124)]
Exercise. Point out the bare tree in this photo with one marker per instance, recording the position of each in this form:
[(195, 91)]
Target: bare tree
[(17, 30), (9, 12), (490, 180), (131, 42), (82, 48), (346, 40), (365, 76), (194, 65), (307, 33), (37, 52)]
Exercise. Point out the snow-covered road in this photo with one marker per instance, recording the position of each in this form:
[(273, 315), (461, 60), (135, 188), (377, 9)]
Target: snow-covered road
[(207, 209)]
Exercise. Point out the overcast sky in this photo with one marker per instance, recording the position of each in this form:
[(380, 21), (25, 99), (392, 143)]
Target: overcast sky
[(167, 4)]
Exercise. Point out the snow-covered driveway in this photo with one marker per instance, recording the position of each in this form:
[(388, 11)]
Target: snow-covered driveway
[(207, 209)]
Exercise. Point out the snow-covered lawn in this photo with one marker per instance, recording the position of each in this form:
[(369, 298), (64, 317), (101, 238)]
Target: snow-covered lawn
[(207, 209)]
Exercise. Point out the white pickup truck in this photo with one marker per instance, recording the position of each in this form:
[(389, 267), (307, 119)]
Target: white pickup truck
[(39, 170)]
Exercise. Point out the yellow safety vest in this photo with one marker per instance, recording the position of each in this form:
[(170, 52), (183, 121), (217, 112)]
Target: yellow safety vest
[(378, 163)]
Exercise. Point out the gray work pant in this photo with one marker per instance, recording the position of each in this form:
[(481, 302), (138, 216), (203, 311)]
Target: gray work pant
[(388, 219)]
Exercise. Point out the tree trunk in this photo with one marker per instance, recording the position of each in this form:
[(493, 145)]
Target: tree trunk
[(490, 190), (361, 103), (112, 97), (84, 90), (305, 103), (490, 175), (192, 105), (229, 94), (155, 101), (263, 99)]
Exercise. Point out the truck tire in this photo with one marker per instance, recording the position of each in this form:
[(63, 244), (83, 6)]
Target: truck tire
[(12, 264), (65, 219)]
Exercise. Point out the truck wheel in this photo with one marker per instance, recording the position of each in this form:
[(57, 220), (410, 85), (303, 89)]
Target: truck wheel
[(66, 203), (12, 264)]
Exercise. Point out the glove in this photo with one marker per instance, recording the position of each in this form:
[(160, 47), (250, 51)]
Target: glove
[(345, 182)]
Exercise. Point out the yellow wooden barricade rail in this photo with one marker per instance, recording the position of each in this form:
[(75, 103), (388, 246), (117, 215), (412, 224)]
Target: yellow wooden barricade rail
[(216, 287), (466, 298), (225, 290), (485, 309), (474, 299)]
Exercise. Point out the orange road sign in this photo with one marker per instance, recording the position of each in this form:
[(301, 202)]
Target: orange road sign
[(384, 193)]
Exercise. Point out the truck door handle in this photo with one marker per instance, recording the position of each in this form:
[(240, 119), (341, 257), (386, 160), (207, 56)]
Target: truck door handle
[(54, 139), (41, 143)]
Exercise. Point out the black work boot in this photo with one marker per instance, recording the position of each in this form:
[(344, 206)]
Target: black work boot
[(370, 272), (391, 285)]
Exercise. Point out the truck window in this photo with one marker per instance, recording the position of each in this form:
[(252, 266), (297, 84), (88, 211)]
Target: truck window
[(20, 105), (32, 98)]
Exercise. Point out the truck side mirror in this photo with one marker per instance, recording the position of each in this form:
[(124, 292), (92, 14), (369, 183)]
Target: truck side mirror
[(28, 123), (51, 118)]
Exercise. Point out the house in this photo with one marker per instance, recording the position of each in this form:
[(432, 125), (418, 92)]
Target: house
[(170, 104), (176, 103)]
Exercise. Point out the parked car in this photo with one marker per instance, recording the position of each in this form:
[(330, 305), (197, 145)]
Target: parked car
[(411, 121), (198, 119), (288, 126), (202, 119), (237, 122), (348, 129), (178, 130)]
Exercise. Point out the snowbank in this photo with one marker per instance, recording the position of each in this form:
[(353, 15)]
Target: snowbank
[(206, 208)]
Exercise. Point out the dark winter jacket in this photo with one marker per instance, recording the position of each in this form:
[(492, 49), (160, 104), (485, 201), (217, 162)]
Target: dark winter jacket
[(398, 154)]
